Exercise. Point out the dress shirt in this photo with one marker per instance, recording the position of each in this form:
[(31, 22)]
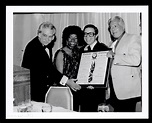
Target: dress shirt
[(64, 80), (91, 46), (113, 45), (47, 50)]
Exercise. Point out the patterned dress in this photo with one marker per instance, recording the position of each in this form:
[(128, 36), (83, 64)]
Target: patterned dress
[(70, 63)]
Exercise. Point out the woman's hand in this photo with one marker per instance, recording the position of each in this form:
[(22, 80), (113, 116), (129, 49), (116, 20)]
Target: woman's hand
[(74, 86)]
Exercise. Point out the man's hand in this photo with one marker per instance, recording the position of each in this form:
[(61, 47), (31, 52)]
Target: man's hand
[(71, 83), (110, 54)]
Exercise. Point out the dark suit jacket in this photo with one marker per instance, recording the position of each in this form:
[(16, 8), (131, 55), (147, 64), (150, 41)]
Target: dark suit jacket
[(90, 98), (42, 72)]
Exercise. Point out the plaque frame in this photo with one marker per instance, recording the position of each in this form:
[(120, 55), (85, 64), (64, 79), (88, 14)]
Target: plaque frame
[(106, 71)]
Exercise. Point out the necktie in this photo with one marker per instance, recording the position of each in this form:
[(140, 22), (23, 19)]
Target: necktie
[(45, 46), (89, 48)]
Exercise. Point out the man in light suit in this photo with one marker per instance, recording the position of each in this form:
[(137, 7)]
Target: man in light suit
[(125, 79)]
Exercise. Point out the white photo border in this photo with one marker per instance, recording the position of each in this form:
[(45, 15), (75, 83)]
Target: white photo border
[(9, 62)]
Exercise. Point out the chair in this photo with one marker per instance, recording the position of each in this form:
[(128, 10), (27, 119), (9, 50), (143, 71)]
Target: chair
[(60, 97)]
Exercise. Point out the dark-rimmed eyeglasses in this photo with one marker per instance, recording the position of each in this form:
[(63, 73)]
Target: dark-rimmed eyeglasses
[(91, 34)]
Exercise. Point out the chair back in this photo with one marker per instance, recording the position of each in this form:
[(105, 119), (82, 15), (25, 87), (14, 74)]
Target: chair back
[(60, 97)]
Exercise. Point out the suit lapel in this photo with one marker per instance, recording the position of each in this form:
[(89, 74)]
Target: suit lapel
[(96, 47)]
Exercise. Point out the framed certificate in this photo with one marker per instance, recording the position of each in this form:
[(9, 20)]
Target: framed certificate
[(94, 69)]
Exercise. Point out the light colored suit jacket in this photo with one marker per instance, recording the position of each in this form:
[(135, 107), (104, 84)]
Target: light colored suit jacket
[(125, 70)]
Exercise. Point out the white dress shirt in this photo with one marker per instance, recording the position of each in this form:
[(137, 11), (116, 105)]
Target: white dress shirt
[(64, 78), (47, 50), (91, 46), (113, 46)]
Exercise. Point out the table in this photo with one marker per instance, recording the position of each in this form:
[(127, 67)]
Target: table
[(21, 85), (39, 107)]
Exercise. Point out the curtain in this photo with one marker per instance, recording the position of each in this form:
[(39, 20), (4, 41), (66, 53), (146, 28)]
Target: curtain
[(25, 26)]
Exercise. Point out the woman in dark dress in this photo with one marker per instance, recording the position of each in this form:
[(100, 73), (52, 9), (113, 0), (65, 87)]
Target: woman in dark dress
[(67, 58)]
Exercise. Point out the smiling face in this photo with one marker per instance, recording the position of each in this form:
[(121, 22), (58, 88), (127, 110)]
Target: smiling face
[(46, 36), (72, 41), (116, 28), (89, 35)]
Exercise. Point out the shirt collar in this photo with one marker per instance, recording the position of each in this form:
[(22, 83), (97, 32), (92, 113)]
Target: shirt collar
[(91, 46)]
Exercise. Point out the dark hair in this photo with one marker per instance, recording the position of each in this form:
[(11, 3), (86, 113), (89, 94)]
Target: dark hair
[(91, 26), (72, 29)]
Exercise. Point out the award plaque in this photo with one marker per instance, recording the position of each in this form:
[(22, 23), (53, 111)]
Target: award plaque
[(94, 69)]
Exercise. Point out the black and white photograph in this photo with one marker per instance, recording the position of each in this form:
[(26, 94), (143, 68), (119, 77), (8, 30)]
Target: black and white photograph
[(59, 57)]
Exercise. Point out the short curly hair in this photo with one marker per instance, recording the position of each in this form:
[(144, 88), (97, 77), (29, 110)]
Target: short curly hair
[(72, 29)]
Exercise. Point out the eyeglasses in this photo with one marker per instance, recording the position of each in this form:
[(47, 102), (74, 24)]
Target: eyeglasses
[(91, 34)]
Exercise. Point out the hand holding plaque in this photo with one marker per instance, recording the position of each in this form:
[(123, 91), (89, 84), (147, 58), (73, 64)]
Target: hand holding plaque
[(93, 69)]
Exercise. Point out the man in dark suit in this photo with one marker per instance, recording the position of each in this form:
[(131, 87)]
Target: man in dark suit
[(92, 96), (38, 58)]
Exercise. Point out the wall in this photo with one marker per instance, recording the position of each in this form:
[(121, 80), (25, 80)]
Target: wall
[(25, 27)]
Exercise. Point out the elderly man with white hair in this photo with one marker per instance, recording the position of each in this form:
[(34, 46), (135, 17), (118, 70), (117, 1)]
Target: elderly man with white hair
[(125, 77)]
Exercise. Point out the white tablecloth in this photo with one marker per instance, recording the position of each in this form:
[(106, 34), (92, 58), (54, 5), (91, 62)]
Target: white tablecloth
[(39, 107)]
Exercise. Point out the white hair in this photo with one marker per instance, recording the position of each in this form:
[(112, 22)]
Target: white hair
[(46, 25), (119, 19)]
